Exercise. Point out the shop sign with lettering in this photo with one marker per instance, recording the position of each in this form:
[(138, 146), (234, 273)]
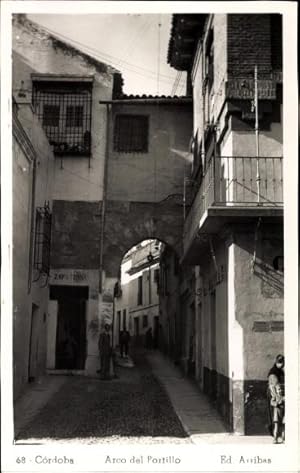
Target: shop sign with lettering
[(68, 277)]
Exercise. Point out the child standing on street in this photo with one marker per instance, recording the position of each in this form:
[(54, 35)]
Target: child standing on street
[(276, 399)]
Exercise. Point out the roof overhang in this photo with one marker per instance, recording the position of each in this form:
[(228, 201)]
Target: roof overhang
[(186, 30)]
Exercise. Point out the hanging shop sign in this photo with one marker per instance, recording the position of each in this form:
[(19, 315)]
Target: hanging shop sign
[(106, 313)]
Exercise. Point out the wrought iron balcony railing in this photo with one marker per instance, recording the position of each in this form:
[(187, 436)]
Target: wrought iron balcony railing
[(236, 181)]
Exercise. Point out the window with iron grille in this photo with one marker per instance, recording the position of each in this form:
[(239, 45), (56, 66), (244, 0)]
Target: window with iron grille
[(65, 110), (131, 133), (42, 240), (145, 321)]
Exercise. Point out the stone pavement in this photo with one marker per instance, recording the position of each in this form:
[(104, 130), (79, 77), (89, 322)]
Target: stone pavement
[(34, 398), (132, 408), (198, 417), (200, 421), (125, 362)]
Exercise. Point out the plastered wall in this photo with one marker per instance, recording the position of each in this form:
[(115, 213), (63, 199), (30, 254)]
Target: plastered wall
[(154, 175), (28, 287), (259, 298)]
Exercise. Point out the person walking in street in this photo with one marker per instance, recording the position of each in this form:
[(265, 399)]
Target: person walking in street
[(276, 399), (124, 342), (104, 347)]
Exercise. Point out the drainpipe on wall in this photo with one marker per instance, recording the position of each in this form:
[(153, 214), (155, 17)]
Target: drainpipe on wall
[(199, 327), (256, 134), (203, 110), (255, 245), (213, 255), (106, 157), (32, 225)]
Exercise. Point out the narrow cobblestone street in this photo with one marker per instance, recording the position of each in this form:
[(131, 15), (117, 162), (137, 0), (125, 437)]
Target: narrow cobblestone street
[(133, 408)]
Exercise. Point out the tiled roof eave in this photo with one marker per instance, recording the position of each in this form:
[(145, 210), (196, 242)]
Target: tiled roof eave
[(185, 32), (147, 100)]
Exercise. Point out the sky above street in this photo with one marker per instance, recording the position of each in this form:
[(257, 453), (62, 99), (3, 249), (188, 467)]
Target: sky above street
[(134, 43)]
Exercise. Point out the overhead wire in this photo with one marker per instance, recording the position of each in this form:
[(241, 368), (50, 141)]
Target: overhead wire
[(100, 54), (135, 37), (158, 56), (181, 89), (176, 83)]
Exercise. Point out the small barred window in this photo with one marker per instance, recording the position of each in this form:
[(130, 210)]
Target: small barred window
[(131, 133)]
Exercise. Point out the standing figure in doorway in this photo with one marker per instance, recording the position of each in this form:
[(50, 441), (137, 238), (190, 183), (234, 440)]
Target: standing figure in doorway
[(104, 347), (124, 342)]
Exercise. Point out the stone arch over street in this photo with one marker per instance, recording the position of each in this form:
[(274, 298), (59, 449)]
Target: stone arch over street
[(128, 223)]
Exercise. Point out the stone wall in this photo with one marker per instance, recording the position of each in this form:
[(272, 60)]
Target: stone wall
[(128, 223), (76, 228)]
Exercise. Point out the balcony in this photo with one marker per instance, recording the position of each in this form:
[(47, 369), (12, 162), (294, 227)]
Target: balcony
[(234, 187)]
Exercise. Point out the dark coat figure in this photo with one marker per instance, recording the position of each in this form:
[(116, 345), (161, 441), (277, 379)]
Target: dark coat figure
[(124, 342), (149, 339), (104, 347), (276, 399)]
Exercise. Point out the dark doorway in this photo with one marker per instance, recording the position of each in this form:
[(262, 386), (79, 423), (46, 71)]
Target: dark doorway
[(119, 325), (213, 328), (213, 343), (156, 332), (71, 326), (33, 344), (136, 331), (192, 342)]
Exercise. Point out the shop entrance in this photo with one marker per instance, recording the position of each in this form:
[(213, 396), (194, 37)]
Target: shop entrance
[(71, 326)]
